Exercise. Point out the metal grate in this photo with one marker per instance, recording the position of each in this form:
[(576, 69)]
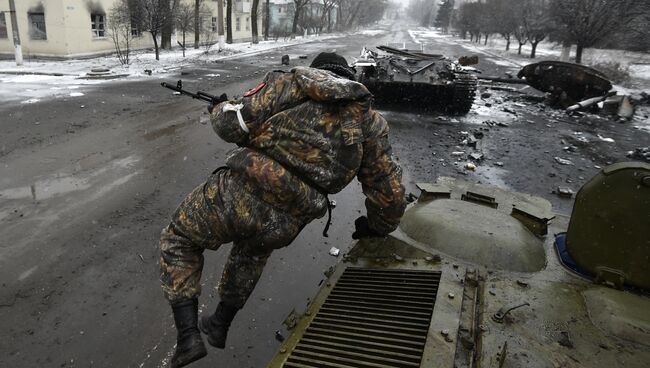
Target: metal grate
[(371, 319)]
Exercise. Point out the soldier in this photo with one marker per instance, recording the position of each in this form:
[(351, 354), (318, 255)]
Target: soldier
[(302, 135)]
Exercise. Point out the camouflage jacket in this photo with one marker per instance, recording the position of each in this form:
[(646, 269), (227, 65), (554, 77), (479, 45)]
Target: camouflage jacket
[(310, 134)]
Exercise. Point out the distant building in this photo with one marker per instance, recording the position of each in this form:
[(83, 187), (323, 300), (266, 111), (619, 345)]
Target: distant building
[(77, 28), (280, 16)]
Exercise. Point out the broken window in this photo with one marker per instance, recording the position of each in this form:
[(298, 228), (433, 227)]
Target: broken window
[(98, 25), (238, 24), (37, 26), (3, 25), (214, 24)]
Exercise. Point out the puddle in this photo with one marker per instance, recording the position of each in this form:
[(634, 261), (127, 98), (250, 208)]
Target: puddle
[(47, 188), (168, 130), (27, 273), (61, 183), (493, 176)]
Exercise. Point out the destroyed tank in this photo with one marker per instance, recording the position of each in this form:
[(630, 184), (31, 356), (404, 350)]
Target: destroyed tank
[(577, 81), (478, 276), (409, 80)]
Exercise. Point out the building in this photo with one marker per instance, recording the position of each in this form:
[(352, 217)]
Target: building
[(280, 17), (77, 28)]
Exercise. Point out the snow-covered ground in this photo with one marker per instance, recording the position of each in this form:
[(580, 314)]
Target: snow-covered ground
[(40, 79), (637, 63)]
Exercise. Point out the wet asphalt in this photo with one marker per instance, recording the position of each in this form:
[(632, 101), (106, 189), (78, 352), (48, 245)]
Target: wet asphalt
[(84, 193)]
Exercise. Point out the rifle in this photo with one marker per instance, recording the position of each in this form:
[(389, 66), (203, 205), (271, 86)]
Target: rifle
[(199, 95)]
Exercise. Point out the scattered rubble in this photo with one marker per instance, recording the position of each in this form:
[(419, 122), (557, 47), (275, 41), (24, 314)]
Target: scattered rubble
[(564, 192), (470, 166), (640, 154), (562, 161), (334, 251)]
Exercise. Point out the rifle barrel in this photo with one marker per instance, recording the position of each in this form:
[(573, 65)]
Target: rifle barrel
[(198, 95)]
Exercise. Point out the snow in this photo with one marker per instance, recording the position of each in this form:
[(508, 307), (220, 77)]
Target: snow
[(373, 32), (36, 80)]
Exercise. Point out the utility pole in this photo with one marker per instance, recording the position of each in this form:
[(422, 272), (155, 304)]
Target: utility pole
[(222, 38), (14, 29)]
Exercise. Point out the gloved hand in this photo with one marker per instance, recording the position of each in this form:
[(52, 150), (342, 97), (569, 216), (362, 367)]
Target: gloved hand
[(217, 101), (362, 229)]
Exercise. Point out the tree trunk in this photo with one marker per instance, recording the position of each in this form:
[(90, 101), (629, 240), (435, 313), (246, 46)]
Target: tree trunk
[(267, 17), (294, 27), (183, 43), (329, 21), (486, 38), (508, 43), (155, 44), (166, 31), (579, 49), (254, 8), (520, 46), (533, 51), (229, 21), (566, 51), (197, 26)]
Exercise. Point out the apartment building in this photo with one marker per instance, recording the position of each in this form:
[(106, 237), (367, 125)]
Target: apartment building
[(77, 28)]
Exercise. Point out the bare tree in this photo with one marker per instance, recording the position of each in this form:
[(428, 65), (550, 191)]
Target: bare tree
[(298, 7), (326, 14), (184, 21), (197, 23), (229, 21), (587, 22), (254, 11), (152, 17), (120, 30), (503, 17), (267, 19), (537, 22), (168, 27), (443, 18)]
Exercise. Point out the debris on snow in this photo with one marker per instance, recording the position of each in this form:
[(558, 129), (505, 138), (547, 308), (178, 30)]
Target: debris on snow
[(334, 251), (610, 140), (563, 161), (470, 166)]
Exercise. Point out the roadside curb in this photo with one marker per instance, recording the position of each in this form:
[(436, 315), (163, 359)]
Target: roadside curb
[(225, 57), (19, 72)]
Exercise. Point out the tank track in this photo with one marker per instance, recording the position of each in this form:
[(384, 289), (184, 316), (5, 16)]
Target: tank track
[(463, 93)]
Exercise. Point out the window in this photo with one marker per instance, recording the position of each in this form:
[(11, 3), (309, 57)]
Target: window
[(214, 24), (3, 25), (279, 10), (37, 26), (135, 30), (238, 24), (98, 25), (248, 24)]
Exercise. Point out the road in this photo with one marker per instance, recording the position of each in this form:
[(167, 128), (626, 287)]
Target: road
[(86, 185)]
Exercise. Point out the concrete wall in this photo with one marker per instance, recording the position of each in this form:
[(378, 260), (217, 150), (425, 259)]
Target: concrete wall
[(69, 28)]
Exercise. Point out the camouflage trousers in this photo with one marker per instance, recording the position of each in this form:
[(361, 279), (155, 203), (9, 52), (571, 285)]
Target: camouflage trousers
[(217, 212)]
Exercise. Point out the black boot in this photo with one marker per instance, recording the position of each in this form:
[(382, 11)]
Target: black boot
[(216, 326), (189, 345)]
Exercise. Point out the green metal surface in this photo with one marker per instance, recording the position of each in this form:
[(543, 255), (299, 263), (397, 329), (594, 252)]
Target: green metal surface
[(564, 320), (609, 232)]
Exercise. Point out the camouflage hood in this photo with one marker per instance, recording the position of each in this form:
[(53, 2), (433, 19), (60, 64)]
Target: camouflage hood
[(306, 134)]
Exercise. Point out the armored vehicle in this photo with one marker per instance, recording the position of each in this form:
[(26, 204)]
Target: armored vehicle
[(416, 80), (577, 82), (478, 276)]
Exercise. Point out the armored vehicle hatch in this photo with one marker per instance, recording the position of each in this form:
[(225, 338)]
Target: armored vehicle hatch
[(450, 289)]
